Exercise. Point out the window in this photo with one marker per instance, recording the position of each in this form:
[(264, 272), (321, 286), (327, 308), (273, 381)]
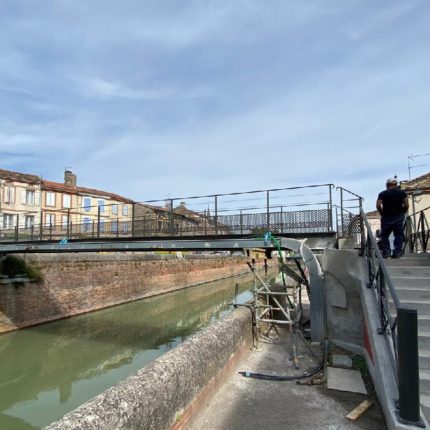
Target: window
[(87, 224), (9, 195), (49, 220), (125, 210), (8, 221), (67, 200), (101, 205), (114, 209), (50, 199), (29, 221), (87, 204), (64, 219), (29, 197)]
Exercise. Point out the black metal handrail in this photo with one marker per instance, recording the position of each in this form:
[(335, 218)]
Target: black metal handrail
[(399, 325), (417, 231)]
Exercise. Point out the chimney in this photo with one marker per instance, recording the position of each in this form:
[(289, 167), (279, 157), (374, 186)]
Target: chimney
[(69, 178)]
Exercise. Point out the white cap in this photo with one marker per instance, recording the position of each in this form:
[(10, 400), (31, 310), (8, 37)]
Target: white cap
[(391, 181)]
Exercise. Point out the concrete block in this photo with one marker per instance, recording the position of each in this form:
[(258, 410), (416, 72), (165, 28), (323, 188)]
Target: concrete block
[(342, 361), (345, 380)]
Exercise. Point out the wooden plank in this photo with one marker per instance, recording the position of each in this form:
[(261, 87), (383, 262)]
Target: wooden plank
[(356, 413)]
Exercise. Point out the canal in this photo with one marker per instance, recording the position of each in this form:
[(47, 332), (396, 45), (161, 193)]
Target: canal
[(49, 370)]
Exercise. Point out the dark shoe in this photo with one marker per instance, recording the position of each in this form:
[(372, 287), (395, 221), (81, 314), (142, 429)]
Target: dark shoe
[(396, 255)]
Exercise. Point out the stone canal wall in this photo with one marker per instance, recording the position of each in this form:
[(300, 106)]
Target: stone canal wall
[(164, 394), (77, 283)]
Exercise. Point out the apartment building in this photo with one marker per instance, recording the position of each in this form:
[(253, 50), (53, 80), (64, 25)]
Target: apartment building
[(70, 207), (19, 200)]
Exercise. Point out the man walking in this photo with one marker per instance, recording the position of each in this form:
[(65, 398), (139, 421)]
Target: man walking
[(392, 204)]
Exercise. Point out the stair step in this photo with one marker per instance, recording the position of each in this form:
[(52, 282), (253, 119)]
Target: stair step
[(421, 305), (413, 294), (424, 323), (408, 261), (423, 340), (409, 271), (424, 359), (422, 282), (424, 382)]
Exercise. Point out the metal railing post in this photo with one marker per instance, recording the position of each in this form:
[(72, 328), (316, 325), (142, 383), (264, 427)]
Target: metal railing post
[(282, 220), (341, 210), (409, 389), (171, 223), (268, 209), (32, 231), (17, 228), (133, 215), (50, 230), (362, 234), (98, 221), (68, 222), (216, 214), (117, 228), (330, 214), (241, 222)]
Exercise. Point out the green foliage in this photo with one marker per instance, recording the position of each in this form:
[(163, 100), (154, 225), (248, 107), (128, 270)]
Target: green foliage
[(12, 267)]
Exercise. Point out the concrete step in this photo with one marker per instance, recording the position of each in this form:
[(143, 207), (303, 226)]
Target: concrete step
[(413, 294), (424, 359), (423, 340), (407, 281), (424, 382), (409, 271), (421, 305), (424, 323), (426, 412), (409, 261)]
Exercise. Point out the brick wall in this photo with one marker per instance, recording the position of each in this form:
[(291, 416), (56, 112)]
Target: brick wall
[(77, 283)]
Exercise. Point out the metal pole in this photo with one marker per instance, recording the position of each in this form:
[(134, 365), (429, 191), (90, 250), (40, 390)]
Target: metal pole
[(98, 221), (282, 220), (363, 238), (32, 231), (171, 217), (241, 222), (133, 214), (50, 230), (17, 228), (330, 213), (341, 210), (68, 222), (268, 209), (409, 388), (41, 226), (216, 214), (117, 227)]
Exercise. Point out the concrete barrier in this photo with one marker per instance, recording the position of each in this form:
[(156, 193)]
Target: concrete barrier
[(164, 393)]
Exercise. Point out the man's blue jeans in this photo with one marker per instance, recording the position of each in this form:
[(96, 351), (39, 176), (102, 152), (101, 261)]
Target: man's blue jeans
[(392, 225)]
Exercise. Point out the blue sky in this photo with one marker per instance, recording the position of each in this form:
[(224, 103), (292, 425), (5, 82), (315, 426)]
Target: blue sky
[(151, 99)]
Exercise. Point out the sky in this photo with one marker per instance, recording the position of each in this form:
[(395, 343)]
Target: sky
[(165, 98)]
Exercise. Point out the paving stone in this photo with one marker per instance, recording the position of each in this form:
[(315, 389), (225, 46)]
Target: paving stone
[(345, 380)]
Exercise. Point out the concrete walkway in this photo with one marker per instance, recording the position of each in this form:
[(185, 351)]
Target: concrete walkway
[(247, 403), (411, 278)]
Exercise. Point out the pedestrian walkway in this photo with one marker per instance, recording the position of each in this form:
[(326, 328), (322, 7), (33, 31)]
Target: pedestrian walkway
[(246, 403)]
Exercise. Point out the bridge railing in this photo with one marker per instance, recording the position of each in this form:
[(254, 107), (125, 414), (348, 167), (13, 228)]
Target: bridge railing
[(399, 325), (417, 231), (300, 210)]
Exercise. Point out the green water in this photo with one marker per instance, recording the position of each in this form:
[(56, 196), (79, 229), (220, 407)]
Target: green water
[(49, 370)]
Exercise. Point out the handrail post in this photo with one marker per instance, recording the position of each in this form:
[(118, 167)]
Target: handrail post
[(68, 222), (362, 234), (282, 220), (341, 210), (98, 221), (133, 215), (241, 222), (330, 213), (216, 214), (17, 228), (409, 387), (268, 209)]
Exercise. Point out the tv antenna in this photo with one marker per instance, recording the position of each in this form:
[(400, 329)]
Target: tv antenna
[(412, 157)]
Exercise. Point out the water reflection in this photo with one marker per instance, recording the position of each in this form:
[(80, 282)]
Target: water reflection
[(51, 369)]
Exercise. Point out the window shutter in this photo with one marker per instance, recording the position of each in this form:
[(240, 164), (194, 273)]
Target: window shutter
[(6, 194), (23, 197), (37, 198)]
